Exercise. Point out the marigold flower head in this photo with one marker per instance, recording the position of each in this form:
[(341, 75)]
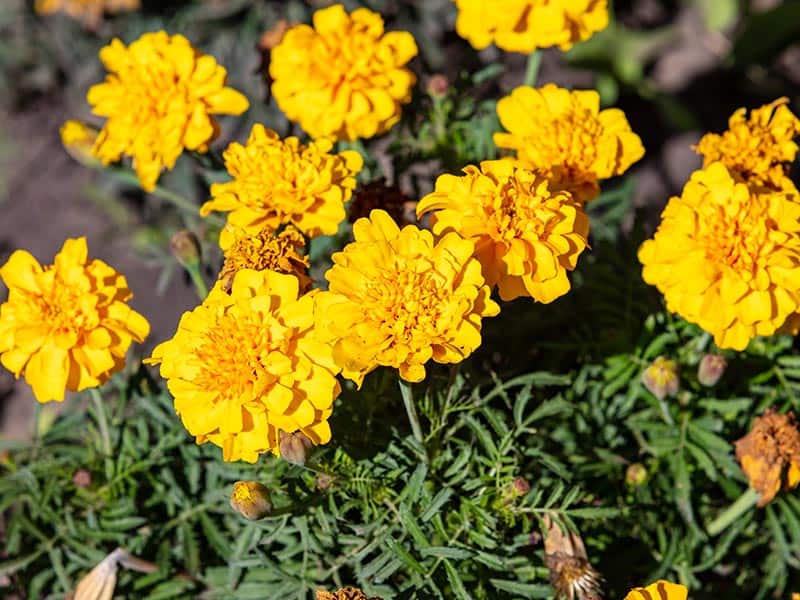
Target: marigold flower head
[(78, 139), (566, 136), (662, 590), (757, 150), (89, 12), (727, 258), (344, 78), (66, 326), (398, 299), (251, 499), (524, 25), (278, 182), (661, 378), (159, 98), (246, 364), (526, 237), (770, 454)]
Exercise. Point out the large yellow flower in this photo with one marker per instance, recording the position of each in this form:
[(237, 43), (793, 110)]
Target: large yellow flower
[(247, 364), (89, 12), (66, 326), (159, 98), (661, 590), (758, 150), (726, 257), (279, 182), (344, 78), (524, 25), (398, 299), (526, 237), (565, 135)]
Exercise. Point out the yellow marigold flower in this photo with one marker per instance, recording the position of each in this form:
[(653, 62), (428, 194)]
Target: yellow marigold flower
[(344, 78), (398, 299), (526, 237), (78, 139), (661, 590), (89, 12), (757, 150), (66, 326), (278, 182), (726, 258), (247, 364), (524, 25), (159, 98), (565, 135)]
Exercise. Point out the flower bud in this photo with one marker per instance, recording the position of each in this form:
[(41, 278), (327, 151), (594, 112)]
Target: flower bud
[(294, 447), (711, 368), (251, 500), (78, 139), (521, 486), (82, 478), (661, 378), (185, 248), (437, 86), (635, 474)]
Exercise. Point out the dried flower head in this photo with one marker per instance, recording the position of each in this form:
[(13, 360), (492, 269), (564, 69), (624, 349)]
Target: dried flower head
[(346, 593), (99, 583), (294, 447), (566, 136), (526, 237), (278, 182), (565, 557), (770, 454), (710, 369), (727, 258), (378, 195), (344, 78), (660, 590), (661, 378), (89, 12), (159, 98), (251, 499), (78, 139), (66, 326), (185, 247)]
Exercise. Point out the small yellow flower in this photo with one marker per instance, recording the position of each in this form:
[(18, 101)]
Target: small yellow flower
[(66, 326), (344, 78), (662, 590), (727, 258), (89, 12), (346, 593), (661, 378), (524, 25), (526, 237), (278, 182), (566, 136), (78, 139), (246, 364), (159, 98), (757, 150), (398, 299)]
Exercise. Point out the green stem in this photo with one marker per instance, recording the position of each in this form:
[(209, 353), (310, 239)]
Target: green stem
[(532, 70), (733, 512), (199, 283), (411, 411), (102, 422)]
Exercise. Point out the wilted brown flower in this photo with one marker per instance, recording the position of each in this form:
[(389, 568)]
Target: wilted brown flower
[(770, 454), (565, 557), (376, 194), (294, 446), (661, 378), (185, 247), (346, 593)]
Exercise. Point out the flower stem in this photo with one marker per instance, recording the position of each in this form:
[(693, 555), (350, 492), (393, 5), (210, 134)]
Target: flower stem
[(102, 422), (733, 512), (411, 411), (532, 70)]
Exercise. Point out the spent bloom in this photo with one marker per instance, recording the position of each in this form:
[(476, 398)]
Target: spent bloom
[(569, 569), (78, 139), (398, 299), (526, 237), (770, 454), (251, 499), (247, 364), (566, 136), (278, 182), (710, 369), (758, 149), (66, 326), (661, 590), (727, 258), (661, 378), (159, 98), (344, 78), (525, 25), (89, 12)]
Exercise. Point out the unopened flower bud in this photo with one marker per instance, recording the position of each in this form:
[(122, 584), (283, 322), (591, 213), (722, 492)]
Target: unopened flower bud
[(251, 500), (78, 139), (635, 474), (437, 86), (186, 248), (82, 478), (521, 486), (711, 368), (661, 378), (324, 481), (294, 447)]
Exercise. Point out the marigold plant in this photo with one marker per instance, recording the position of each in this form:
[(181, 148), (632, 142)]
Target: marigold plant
[(565, 135), (159, 98), (66, 326), (344, 78), (89, 12), (399, 299), (526, 237)]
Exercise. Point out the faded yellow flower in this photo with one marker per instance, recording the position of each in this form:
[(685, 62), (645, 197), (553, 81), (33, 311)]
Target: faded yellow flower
[(526, 237), (525, 25), (757, 150), (566, 136), (278, 182), (159, 98), (251, 499), (89, 12), (727, 258), (344, 78), (398, 299), (663, 590), (661, 378), (247, 364), (66, 326), (78, 139)]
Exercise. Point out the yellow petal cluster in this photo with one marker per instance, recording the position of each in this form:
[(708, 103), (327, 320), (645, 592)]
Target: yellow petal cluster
[(78, 139), (398, 299), (278, 182), (566, 136), (524, 25), (759, 149), (526, 237), (245, 365), (660, 590), (66, 326), (726, 257), (159, 98), (89, 12), (344, 78)]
